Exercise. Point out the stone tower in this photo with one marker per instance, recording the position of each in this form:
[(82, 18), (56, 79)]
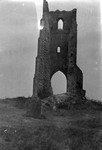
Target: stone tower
[(57, 51)]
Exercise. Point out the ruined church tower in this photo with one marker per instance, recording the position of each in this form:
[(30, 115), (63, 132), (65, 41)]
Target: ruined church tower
[(57, 51)]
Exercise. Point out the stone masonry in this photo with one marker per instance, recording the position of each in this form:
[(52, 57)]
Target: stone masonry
[(57, 51)]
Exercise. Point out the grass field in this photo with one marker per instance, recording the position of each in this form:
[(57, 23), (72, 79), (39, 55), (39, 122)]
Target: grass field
[(79, 128)]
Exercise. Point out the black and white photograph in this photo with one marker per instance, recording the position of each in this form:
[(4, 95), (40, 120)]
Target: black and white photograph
[(50, 75)]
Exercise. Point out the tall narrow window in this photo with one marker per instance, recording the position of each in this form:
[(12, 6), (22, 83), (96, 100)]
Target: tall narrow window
[(60, 24), (58, 49)]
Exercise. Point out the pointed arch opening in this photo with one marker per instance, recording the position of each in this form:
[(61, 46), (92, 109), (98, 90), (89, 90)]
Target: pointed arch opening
[(58, 49), (59, 83), (60, 24)]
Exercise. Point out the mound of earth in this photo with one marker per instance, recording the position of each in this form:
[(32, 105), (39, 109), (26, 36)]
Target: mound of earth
[(76, 128)]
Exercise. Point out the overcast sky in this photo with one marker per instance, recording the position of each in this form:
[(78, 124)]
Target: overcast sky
[(18, 45)]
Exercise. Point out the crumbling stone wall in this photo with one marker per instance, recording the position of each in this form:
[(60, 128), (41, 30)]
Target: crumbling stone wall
[(49, 60)]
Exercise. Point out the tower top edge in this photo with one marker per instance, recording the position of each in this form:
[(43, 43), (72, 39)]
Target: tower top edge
[(64, 11)]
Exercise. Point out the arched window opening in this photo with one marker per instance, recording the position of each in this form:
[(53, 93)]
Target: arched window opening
[(60, 24), (58, 49), (59, 83)]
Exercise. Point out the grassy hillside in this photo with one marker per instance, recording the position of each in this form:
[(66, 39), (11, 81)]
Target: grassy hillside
[(78, 127)]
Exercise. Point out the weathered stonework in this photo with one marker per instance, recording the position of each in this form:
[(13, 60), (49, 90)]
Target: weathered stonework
[(49, 60)]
